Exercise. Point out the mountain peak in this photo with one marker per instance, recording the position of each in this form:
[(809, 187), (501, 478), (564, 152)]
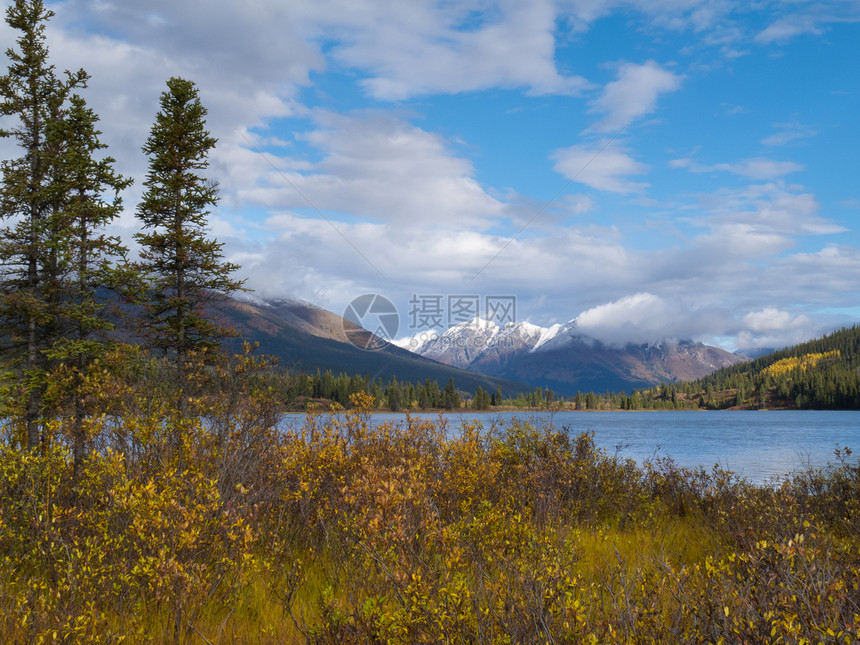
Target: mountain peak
[(476, 322), (563, 358)]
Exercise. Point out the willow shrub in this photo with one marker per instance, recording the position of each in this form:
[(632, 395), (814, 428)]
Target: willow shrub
[(343, 531)]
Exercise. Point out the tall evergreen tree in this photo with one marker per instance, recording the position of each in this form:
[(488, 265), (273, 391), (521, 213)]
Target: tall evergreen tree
[(32, 96), (187, 271), (91, 262), (452, 398), (92, 259)]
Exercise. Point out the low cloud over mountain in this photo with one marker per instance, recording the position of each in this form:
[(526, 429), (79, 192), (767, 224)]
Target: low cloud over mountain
[(566, 359)]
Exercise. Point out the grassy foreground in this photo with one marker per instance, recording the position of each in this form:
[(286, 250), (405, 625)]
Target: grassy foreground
[(176, 530)]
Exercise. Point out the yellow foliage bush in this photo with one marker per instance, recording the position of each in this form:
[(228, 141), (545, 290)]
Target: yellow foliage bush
[(223, 527)]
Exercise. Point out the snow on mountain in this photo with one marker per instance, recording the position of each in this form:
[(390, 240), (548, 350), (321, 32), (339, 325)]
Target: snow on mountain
[(560, 336), (561, 357), (547, 334), (467, 342), (474, 338), (463, 343)]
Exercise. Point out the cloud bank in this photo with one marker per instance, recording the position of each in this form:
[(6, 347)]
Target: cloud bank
[(442, 148)]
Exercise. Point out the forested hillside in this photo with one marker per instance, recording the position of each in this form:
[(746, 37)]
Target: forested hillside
[(821, 374)]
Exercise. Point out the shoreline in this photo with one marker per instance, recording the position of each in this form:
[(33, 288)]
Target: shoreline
[(544, 410)]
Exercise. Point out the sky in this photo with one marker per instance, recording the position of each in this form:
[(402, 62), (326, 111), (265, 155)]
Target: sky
[(651, 168)]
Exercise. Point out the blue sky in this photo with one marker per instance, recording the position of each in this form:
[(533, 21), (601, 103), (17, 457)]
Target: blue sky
[(652, 168)]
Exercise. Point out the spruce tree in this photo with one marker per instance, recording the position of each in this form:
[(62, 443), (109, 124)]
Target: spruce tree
[(186, 270), (452, 398), (32, 99), (92, 264)]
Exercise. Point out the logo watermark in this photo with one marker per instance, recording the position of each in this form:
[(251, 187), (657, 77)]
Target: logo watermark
[(429, 315), (372, 313), (433, 340), (433, 311)]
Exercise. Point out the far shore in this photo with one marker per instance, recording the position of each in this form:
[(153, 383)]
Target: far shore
[(499, 409)]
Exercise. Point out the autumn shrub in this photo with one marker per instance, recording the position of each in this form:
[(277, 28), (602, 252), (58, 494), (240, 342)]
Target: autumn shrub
[(562, 478), (341, 530), (831, 495), (803, 589)]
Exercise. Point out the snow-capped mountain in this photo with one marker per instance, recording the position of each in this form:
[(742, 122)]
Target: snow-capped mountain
[(561, 358), (472, 341), (306, 337), (467, 343)]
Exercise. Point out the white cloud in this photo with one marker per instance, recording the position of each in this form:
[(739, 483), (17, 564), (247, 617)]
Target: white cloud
[(131, 49), (193, 34), (604, 166), (645, 317), (578, 204), (787, 28), (801, 18), (450, 48), (759, 168), (788, 132), (675, 15), (827, 276), (774, 328), (430, 261), (770, 319), (770, 208), (700, 290), (382, 168), (682, 162), (633, 94)]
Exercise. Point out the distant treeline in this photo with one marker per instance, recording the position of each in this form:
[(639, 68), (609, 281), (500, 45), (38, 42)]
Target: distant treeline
[(391, 394), (819, 374), (325, 387)]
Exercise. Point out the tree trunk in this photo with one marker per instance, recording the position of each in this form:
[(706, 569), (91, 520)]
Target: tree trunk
[(33, 397)]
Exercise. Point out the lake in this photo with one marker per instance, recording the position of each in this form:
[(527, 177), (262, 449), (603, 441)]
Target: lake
[(755, 444)]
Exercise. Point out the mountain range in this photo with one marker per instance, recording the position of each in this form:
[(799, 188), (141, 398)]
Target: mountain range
[(516, 357), (307, 338), (563, 359)]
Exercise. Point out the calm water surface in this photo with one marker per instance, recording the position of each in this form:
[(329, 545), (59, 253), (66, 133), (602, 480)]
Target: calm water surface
[(755, 444)]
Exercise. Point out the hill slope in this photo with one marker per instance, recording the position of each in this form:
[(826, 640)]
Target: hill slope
[(822, 374)]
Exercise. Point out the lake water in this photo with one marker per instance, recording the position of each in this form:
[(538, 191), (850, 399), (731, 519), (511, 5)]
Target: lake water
[(755, 444)]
